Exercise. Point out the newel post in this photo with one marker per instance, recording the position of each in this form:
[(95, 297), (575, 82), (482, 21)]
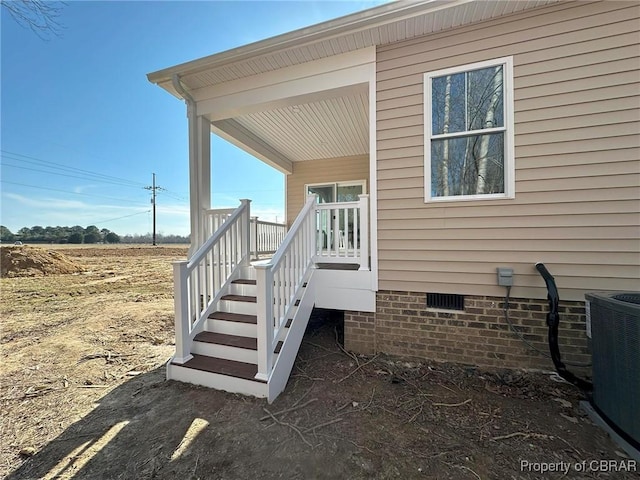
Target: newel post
[(364, 232), (245, 241), (181, 308), (254, 237), (264, 303)]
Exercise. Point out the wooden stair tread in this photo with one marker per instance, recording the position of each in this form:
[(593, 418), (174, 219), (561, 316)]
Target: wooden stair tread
[(235, 317), (239, 298), (222, 366), (237, 341), (244, 281), (288, 324), (278, 347)]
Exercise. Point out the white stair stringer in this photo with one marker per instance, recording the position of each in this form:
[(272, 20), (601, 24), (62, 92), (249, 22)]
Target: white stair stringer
[(289, 351)]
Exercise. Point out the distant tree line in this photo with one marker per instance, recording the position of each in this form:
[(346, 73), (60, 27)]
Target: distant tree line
[(78, 235), (160, 238)]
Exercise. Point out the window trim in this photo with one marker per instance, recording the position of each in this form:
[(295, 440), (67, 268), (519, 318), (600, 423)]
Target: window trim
[(508, 129), (347, 183)]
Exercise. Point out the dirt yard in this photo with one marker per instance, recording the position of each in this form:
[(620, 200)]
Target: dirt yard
[(83, 395)]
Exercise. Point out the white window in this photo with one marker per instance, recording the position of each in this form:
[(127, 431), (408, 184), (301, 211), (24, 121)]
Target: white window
[(336, 192), (469, 153)]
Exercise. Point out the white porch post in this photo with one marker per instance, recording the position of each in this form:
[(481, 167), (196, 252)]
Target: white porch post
[(204, 173), (199, 174)]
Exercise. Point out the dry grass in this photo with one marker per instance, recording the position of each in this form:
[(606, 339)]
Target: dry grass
[(83, 396), (54, 327)]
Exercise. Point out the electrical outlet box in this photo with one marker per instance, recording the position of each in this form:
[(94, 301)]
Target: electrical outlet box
[(505, 277)]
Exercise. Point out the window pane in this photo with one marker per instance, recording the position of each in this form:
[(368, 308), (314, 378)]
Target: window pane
[(447, 104), (468, 165), (485, 98), (325, 193), (349, 193)]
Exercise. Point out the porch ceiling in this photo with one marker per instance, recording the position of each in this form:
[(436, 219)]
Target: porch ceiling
[(330, 128)]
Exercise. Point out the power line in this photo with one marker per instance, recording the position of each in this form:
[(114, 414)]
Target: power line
[(59, 166), (120, 218), (168, 193), (70, 176), (39, 187)]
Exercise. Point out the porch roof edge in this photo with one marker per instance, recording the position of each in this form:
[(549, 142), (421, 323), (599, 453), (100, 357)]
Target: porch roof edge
[(361, 20)]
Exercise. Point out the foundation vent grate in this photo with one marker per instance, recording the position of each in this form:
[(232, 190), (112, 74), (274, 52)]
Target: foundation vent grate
[(445, 301)]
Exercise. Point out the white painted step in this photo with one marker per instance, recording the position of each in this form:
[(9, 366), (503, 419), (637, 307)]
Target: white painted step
[(232, 324), (238, 304), (242, 287), (218, 381), (230, 347)]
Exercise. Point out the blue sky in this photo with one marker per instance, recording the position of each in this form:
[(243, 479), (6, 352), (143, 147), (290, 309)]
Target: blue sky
[(82, 130)]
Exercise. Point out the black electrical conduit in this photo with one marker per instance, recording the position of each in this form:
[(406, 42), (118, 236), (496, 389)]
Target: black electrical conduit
[(553, 319)]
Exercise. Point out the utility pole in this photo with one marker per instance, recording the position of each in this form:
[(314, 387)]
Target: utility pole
[(153, 189)]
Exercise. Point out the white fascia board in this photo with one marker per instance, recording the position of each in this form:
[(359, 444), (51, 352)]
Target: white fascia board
[(355, 22), (242, 138), (312, 81)]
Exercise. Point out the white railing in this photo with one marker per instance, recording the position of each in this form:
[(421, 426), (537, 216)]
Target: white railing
[(342, 232), (266, 237), (214, 218), (199, 281), (279, 281)]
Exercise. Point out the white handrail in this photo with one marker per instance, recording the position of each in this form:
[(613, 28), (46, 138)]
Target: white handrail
[(199, 281), (279, 282)]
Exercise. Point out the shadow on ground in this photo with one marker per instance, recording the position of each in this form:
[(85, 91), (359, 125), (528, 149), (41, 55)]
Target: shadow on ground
[(340, 417), (152, 428), (132, 433)]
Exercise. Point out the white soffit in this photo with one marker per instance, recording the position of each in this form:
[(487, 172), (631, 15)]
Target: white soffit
[(331, 128)]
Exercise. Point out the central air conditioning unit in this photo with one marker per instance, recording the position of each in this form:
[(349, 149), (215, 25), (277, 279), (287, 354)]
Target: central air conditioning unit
[(613, 324)]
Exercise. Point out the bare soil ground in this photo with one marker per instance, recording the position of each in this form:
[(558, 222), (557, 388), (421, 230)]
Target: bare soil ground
[(83, 395)]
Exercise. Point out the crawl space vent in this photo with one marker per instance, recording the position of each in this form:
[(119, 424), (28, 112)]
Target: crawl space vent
[(445, 301)]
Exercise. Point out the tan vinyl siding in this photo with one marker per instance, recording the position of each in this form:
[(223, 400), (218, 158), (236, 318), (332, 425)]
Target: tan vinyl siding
[(577, 147), (322, 171)]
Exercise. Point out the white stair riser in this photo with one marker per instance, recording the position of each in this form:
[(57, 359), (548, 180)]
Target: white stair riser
[(217, 381), (248, 272), (242, 289), (231, 306), (225, 351), (231, 328)]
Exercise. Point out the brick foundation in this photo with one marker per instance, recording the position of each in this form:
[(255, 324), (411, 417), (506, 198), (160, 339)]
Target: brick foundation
[(403, 325)]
